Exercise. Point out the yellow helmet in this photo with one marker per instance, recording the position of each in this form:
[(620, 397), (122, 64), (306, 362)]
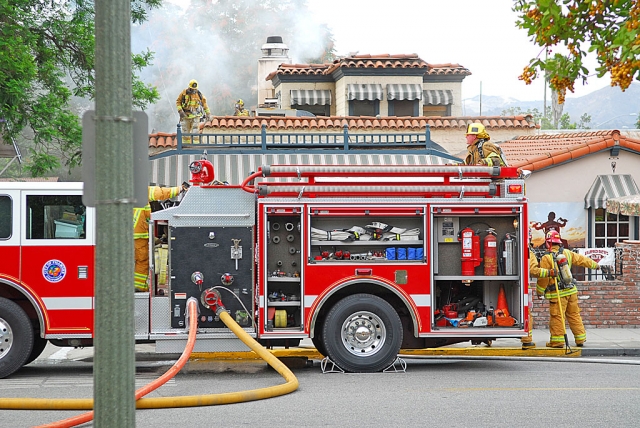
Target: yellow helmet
[(240, 102), (475, 129), (193, 83)]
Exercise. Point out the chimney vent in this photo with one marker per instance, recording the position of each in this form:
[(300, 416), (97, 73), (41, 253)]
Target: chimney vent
[(274, 39)]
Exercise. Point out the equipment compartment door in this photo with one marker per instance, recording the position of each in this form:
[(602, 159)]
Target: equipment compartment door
[(221, 257)]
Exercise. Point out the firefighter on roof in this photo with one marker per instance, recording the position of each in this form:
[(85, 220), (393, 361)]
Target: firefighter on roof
[(535, 271), (561, 260), (239, 110), (192, 105), (481, 151), (141, 217)]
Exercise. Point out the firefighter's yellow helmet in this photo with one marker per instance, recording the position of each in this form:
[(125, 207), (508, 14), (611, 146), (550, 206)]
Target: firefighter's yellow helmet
[(475, 129), (240, 102), (193, 83)]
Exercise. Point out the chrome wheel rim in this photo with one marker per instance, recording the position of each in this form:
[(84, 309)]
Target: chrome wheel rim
[(6, 338), (363, 333)]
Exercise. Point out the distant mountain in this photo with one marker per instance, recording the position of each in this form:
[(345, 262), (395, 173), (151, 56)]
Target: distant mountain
[(609, 107)]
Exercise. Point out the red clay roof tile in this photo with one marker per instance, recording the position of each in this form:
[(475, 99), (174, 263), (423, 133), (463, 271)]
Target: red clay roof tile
[(537, 152), (336, 123)]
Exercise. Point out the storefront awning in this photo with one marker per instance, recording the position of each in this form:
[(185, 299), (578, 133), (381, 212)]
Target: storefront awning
[(361, 92), (311, 97), (624, 205), (608, 187), (404, 92), (436, 97)]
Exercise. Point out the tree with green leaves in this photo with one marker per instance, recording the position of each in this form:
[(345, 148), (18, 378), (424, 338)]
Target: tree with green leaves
[(568, 30), (46, 66)]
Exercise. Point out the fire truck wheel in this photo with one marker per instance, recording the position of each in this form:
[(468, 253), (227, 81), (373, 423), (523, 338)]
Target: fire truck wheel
[(319, 344), (16, 337), (38, 346), (362, 333)]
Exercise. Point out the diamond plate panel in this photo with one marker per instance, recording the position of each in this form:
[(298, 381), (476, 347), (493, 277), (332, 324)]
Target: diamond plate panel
[(201, 345), (220, 206), (141, 314)]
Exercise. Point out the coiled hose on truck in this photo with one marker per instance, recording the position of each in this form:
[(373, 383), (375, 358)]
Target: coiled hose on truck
[(289, 386)]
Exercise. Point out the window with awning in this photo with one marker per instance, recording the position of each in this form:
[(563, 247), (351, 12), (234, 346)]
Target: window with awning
[(608, 187), (362, 91), (437, 97), (311, 97), (404, 92)]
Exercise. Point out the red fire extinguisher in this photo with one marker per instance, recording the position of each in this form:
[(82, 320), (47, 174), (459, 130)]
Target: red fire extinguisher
[(491, 253), (470, 251)]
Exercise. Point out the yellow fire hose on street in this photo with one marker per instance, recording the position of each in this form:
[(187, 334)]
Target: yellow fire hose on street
[(289, 386)]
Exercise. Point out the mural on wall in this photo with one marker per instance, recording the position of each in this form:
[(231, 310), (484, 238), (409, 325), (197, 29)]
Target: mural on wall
[(568, 218)]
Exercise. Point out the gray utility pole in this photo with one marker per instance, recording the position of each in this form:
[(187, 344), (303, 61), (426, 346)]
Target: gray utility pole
[(114, 361)]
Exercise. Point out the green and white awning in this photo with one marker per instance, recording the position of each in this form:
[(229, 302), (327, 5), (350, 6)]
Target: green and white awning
[(311, 97), (404, 92), (608, 187), (436, 97), (362, 91)]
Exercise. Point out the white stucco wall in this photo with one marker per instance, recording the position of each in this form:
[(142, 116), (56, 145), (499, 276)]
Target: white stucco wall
[(571, 181)]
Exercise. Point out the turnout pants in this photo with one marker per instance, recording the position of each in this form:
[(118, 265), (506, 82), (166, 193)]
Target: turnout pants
[(141, 254), (569, 305)]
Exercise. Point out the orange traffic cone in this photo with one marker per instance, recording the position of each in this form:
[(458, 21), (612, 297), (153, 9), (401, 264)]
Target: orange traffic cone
[(502, 301)]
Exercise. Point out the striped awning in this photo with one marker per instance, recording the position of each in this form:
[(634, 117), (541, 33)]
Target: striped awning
[(361, 92), (311, 97), (404, 91), (437, 97), (608, 187)]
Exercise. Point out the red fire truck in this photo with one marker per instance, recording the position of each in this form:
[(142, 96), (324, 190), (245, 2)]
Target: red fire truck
[(363, 260)]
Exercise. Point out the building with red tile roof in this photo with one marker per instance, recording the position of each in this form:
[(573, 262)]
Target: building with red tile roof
[(361, 85), (573, 176)]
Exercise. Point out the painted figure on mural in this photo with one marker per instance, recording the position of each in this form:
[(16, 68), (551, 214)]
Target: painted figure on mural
[(553, 224)]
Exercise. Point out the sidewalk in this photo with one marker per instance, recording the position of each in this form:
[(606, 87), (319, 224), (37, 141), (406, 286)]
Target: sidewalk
[(607, 342)]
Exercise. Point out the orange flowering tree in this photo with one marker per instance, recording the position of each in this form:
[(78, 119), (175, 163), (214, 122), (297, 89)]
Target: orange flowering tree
[(569, 30)]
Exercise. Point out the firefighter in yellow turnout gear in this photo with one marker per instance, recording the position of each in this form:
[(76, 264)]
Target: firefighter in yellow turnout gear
[(535, 271), (141, 217), (568, 293), (192, 105), (480, 150)]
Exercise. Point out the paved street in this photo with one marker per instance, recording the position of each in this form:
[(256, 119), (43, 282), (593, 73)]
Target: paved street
[(438, 392)]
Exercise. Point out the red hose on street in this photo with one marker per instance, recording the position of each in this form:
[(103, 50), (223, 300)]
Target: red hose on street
[(191, 341)]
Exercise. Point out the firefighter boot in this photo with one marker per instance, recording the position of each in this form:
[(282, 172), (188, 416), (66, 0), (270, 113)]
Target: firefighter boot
[(528, 345), (555, 344)]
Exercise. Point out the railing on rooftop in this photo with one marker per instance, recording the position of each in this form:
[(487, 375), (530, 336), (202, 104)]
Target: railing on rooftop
[(342, 142)]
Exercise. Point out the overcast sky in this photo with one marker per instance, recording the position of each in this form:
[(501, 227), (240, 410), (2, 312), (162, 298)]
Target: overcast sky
[(480, 35)]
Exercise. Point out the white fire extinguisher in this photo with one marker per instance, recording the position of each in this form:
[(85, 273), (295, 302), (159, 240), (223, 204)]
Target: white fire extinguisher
[(509, 259)]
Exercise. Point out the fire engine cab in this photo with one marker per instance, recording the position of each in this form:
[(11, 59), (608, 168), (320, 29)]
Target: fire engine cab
[(363, 260)]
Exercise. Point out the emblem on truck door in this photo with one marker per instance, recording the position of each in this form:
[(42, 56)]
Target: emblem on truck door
[(54, 271)]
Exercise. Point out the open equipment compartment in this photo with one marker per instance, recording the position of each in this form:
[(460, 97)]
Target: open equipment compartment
[(468, 275)]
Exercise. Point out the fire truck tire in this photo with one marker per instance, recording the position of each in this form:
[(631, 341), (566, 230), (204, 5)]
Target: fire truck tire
[(318, 342), (362, 333), (16, 337), (38, 346)]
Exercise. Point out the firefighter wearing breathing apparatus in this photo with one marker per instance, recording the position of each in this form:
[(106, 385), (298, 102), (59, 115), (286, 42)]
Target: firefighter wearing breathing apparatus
[(192, 106), (535, 271), (141, 217), (561, 260), (480, 150)]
